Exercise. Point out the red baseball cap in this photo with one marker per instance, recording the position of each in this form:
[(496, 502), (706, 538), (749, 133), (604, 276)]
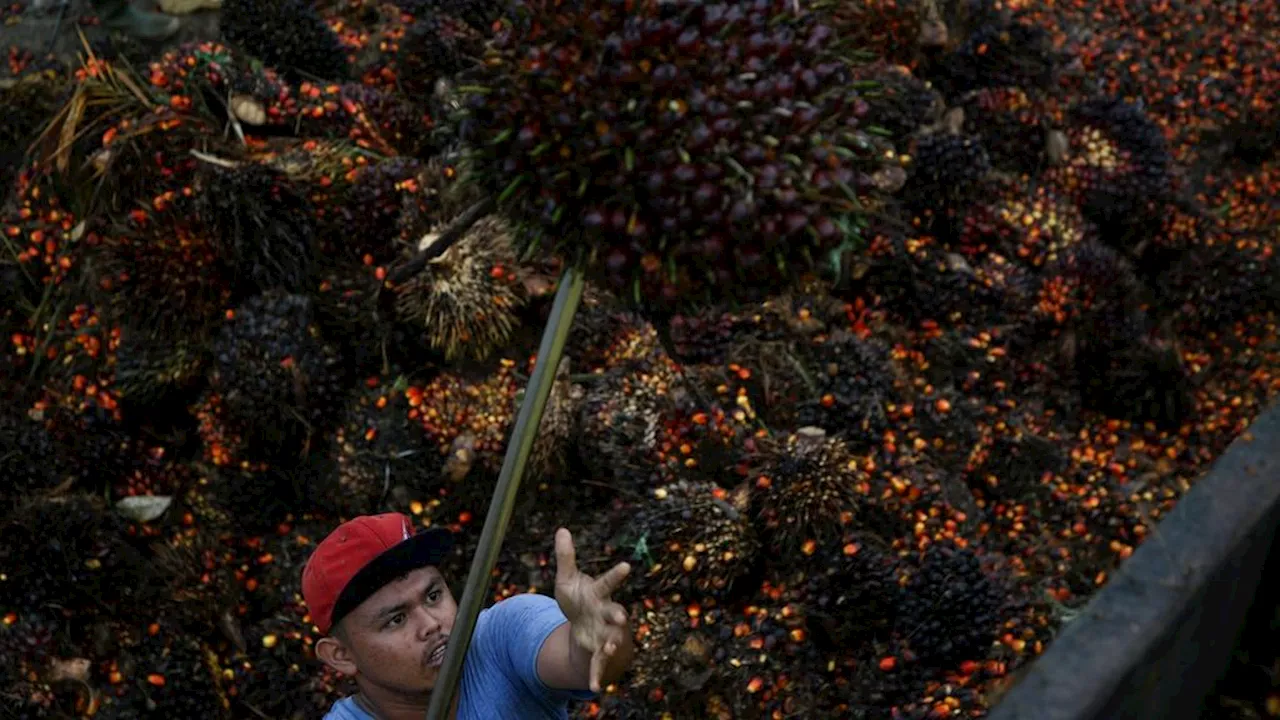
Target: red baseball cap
[(360, 557)]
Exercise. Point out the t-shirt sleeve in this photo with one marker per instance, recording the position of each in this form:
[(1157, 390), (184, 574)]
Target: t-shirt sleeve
[(525, 622)]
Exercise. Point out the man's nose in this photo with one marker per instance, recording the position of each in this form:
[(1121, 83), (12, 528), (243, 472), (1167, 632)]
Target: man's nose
[(428, 624)]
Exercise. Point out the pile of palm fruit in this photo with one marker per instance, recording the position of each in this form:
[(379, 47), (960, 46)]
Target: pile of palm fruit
[(908, 321)]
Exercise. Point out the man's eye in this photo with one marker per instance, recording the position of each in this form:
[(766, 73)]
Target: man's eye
[(395, 620), (433, 596)]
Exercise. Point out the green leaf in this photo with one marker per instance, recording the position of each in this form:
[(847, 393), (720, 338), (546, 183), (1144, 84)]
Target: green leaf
[(629, 159), (877, 130), (474, 89), (510, 190), (582, 187), (501, 137), (793, 159), (556, 214), (540, 149)]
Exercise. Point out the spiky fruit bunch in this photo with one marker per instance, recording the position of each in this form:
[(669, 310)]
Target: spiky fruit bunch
[(372, 118), (28, 457), (900, 102), (288, 35), (376, 449), (149, 364), (30, 643), (884, 28), (695, 539), (1091, 292), (1029, 226), (167, 673), (768, 666), (621, 419), (435, 46), (33, 99), (849, 590), (951, 608), (1118, 165), (369, 214), (1143, 380), (466, 300), (198, 587), (805, 482), (853, 381), (277, 378), (946, 169), (1010, 123), (606, 335), (718, 182), (269, 677), (1012, 465), (675, 644), (66, 552), (264, 226), (1000, 51)]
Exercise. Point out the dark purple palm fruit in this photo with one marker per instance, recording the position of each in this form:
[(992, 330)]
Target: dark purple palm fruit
[(945, 173), (852, 383), (262, 225), (998, 49), (683, 151), (435, 46), (900, 102), (279, 381), (952, 607), (288, 35), (1117, 167), (1012, 126)]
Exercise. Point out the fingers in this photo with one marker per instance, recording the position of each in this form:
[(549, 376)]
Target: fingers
[(566, 561), (598, 659), (608, 583)]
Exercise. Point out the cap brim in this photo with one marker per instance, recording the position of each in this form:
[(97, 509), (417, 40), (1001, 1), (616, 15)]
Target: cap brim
[(426, 549)]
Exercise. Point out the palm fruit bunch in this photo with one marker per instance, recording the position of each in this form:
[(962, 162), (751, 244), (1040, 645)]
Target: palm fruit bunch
[(375, 449), (853, 381), (890, 29), (263, 225), (947, 169), (1010, 123), (184, 77), (952, 608), (469, 421), (1030, 226), (1117, 167), (747, 162), (367, 209), (1212, 285), (30, 643), (901, 103), (276, 379), (41, 232), (29, 460), (67, 552), (999, 49), (621, 419), (695, 539), (269, 678), (767, 665), (162, 671), (436, 46), (289, 35), (197, 585), (673, 663), (805, 486), (1012, 464), (606, 335), (848, 588), (33, 98), (373, 119), (466, 300)]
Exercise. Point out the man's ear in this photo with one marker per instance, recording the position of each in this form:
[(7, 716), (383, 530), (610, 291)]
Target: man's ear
[(335, 653)]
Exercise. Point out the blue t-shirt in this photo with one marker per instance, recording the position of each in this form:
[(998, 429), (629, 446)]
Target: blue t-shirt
[(500, 674)]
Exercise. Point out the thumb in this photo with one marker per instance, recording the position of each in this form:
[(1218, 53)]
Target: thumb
[(566, 561)]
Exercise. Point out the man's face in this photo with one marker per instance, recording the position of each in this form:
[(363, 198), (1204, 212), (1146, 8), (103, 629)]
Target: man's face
[(397, 636)]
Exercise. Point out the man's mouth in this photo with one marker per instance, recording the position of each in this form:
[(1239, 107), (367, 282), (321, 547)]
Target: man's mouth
[(436, 657)]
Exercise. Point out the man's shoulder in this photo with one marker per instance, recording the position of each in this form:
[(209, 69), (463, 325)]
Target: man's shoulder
[(347, 709)]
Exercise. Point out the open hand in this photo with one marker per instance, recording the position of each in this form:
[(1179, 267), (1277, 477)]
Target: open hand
[(599, 624)]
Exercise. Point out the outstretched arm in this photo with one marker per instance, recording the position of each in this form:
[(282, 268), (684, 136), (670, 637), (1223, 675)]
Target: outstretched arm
[(596, 646)]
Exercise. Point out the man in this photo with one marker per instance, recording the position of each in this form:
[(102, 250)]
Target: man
[(123, 16), (375, 591)]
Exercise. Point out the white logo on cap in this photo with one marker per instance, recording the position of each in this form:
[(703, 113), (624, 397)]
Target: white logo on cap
[(406, 531)]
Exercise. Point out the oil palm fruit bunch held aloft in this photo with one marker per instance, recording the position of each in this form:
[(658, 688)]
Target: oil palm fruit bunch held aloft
[(682, 151)]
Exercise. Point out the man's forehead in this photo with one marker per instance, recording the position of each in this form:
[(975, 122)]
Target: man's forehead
[(402, 589)]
